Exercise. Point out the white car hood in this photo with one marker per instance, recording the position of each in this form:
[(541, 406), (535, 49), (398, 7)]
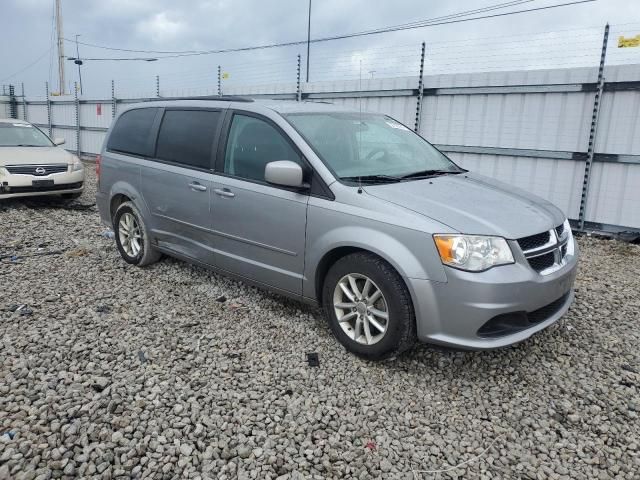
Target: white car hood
[(34, 156)]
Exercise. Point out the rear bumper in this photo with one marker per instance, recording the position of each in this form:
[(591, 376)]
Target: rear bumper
[(453, 313), (102, 201)]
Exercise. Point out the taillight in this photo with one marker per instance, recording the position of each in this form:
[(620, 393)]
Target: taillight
[(98, 160)]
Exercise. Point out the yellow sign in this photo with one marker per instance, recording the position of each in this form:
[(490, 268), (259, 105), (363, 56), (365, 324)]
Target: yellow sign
[(225, 75), (628, 42)]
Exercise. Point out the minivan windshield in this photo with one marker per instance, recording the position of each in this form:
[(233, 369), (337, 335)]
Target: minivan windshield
[(370, 148), (22, 135)]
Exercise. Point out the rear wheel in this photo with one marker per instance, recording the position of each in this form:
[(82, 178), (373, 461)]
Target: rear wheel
[(132, 236), (369, 307)]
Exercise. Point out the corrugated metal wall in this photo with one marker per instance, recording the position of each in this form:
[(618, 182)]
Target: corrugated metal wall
[(537, 121), (4, 107), (466, 113)]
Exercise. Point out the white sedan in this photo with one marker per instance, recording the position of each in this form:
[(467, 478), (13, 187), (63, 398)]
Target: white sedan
[(31, 164)]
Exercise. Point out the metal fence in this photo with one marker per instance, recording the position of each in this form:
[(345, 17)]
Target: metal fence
[(570, 135)]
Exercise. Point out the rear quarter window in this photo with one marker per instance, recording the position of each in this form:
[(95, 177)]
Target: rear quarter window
[(132, 132)]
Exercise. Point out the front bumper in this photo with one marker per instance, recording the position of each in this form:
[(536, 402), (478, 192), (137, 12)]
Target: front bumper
[(451, 313), (12, 186)]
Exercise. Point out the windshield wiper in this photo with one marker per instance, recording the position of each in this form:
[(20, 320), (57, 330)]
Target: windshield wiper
[(430, 173), (372, 179)]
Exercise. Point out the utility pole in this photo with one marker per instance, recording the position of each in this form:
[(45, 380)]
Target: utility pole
[(308, 39), (60, 47), (78, 62)]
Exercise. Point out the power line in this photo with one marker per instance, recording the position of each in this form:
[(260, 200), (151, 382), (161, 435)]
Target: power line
[(421, 22), (114, 59), (339, 37), (28, 66), (426, 23)]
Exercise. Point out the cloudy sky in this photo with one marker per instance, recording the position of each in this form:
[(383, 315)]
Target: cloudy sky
[(568, 36)]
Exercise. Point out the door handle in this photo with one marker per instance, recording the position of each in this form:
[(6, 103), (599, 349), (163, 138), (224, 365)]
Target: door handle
[(224, 192), (197, 187)]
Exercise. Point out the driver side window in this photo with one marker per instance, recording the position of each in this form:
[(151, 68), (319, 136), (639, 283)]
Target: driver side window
[(252, 143)]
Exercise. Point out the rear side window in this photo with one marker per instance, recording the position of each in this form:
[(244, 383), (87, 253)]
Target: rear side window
[(186, 137), (131, 133)]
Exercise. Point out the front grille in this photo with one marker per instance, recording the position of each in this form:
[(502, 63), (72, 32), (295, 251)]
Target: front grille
[(42, 170), (51, 188), (534, 241), (514, 322), (542, 262), (546, 251)]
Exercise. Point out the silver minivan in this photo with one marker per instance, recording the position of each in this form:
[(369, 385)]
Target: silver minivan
[(348, 210)]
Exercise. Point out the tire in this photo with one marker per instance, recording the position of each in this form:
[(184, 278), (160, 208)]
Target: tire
[(140, 252), (400, 325)]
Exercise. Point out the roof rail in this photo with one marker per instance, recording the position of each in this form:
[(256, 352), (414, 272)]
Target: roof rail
[(222, 98)]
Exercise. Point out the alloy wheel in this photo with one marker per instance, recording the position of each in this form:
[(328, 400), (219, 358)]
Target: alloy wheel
[(361, 309), (129, 234)]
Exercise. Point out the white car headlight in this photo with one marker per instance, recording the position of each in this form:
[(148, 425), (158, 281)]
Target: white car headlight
[(76, 165), (473, 253)]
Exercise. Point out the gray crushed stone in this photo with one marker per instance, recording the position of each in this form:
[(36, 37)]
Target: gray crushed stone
[(111, 371)]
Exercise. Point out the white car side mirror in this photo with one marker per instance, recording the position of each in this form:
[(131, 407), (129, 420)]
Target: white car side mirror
[(59, 141)]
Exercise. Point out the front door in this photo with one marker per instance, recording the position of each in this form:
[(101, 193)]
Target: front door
[(177, 183), (259, 228)]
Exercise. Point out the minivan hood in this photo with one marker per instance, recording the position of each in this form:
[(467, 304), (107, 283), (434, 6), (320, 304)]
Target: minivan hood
[(33, 155), (473, 204)]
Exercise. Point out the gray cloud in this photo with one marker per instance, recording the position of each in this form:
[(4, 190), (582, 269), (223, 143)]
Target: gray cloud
[(25, 28)]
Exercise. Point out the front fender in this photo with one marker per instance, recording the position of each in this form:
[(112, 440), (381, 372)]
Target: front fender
[(410, 252)]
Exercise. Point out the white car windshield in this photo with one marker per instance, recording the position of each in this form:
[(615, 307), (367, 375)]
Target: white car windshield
[(370, 148), (22, 135)]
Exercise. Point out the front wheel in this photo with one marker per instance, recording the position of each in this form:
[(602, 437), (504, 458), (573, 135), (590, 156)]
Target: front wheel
[(132, 236), (369, 307)]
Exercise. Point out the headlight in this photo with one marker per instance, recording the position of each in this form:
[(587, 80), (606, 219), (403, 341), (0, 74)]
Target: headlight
[(473, 253), (76, 165), (570, 246)]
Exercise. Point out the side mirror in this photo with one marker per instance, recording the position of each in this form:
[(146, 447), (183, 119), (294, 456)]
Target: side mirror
[(285, 173), (59, 141)]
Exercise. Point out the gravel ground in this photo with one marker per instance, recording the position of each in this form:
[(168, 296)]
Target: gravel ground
[(115, 371)]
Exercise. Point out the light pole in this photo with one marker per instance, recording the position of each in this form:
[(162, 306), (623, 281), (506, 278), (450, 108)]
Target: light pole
[(308, 39), (78, 62)]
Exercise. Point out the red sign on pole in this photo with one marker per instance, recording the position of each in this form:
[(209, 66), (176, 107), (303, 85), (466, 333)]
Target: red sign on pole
[(99, 109)]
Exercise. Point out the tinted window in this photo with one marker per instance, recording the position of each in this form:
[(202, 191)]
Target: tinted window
[(131, 132), (186, 137), (252, 144)]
